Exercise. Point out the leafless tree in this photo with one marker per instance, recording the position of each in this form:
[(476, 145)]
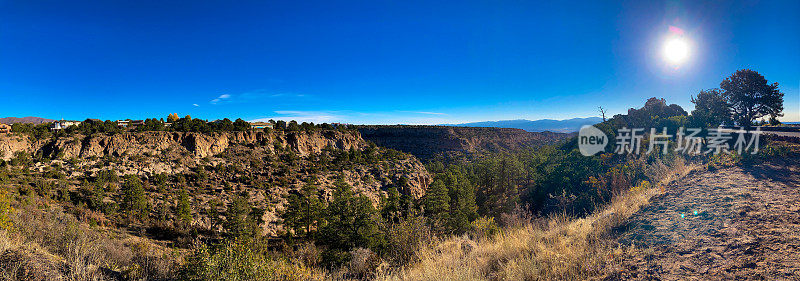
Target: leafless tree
[(602, 112)]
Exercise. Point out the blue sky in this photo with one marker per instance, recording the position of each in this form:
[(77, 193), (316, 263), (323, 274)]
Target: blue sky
[(380, 62)]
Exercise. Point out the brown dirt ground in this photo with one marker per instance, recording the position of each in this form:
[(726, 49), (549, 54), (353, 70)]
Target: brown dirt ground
[(747, 226)]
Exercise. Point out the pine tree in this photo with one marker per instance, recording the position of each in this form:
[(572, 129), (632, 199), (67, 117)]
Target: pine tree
[(184, 209), (134, 202), (351, 221), (499, 185), (437, 202), (237, 221), (96, 194), (303, 211), (391, 205), (463, 209), (213, 213)]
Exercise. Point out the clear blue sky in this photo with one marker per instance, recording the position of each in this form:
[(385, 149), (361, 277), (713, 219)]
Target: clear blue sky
[(380, 62)]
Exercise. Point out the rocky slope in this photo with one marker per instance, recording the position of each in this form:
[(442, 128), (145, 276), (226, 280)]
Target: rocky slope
[(730, 224), (425, 142), (266, 166)]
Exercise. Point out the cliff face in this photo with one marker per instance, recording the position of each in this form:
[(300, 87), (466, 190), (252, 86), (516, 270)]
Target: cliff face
[(155, 143), (428, 141), (9, 144)]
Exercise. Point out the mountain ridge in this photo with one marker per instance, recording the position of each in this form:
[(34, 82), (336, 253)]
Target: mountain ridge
[(27, 119), (540, 125)]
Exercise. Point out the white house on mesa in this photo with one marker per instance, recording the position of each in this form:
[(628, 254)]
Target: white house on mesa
[(63, 124), (130, 123), (260, 125)]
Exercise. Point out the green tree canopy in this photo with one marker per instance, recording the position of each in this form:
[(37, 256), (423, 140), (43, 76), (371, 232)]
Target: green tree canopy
[(750, 96), (710, 109)]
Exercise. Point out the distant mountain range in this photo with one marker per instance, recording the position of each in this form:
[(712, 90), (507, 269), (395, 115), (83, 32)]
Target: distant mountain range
[(560, 126), (29, 119)]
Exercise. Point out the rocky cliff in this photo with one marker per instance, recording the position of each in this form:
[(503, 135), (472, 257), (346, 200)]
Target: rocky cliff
[(154, 143)]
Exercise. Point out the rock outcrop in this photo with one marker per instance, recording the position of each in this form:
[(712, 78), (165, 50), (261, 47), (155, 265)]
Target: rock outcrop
[(196, 144), (10, 144)]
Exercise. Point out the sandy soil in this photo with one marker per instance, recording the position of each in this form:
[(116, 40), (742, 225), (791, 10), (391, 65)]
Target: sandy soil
[(746, 226)]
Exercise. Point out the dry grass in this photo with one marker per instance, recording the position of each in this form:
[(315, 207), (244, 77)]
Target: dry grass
[(557, 248), (48, 244)]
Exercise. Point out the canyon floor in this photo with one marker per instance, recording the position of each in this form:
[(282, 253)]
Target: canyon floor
[(734, 223)]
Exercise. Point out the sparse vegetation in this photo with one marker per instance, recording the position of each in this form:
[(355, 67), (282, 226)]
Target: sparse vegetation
[(268, 207)]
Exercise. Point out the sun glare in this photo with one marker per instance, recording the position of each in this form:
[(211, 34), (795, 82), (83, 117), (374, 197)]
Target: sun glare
[(676, 51)]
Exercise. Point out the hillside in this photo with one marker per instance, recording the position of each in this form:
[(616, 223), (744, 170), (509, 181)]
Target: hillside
[(28, 120), (733, 223), (744, 228), (265, 165), (542, 125), (425, 142)]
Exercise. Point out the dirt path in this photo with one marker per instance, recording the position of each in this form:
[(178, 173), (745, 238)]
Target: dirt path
[(747, 226)]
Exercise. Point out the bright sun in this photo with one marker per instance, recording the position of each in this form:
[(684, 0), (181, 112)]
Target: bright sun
[(676, 50)]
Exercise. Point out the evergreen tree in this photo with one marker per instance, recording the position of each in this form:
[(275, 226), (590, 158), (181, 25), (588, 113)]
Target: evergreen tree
[(134, 202), (463, 209), (437, 203), (184, 210), (238, 221), (710, 109), (391, 205), (750, 97), (241, 125), (96, 196), (213, 213), (351, 222), (303, 211), (407, 208), (499, 185)]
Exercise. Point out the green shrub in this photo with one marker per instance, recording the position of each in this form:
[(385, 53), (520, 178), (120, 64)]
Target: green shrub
[(241, 259), (485, 227), (5, 211)]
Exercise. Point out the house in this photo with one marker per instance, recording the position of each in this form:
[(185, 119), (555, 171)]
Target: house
[(130, 123), (5, 128), (340, 125), (260, 125), (136, 123), (63, 124)]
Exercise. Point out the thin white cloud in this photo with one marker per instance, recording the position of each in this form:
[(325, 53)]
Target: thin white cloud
[(263, 93), (221, 97), (195, 105), (255, 95)]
